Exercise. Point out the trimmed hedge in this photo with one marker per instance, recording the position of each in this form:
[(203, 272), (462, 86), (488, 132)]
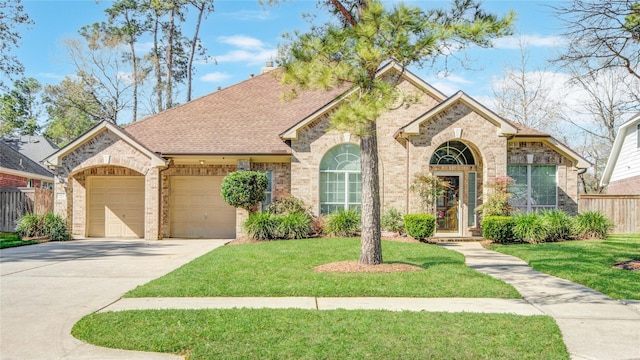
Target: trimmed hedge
[(268, 226), (498, 228), (420, 226)]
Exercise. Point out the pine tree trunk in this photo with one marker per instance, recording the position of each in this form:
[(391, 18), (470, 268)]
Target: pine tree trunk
[(371, 247)]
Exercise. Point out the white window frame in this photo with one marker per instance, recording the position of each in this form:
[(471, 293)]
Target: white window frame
[(529, 206), (346, 204), (268, 190)]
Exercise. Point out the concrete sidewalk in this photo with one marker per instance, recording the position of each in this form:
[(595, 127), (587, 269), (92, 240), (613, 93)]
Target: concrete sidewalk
[(593, 325)]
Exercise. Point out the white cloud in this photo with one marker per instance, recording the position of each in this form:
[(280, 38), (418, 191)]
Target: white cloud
[(144, 47), (214, 77), (246, 15), (51, 76), (454, 78), (513, 42), (249, 50), (241, 41)]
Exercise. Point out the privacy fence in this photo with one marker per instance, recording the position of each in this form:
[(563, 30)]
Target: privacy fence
[(624, 210), (17, 202)]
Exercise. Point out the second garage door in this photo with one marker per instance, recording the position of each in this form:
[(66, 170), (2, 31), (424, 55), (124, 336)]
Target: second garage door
[(197, 209), (116, 206)]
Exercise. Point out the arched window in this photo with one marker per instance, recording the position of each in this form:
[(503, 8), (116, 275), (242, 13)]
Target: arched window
[(340, 180), (452, 153)]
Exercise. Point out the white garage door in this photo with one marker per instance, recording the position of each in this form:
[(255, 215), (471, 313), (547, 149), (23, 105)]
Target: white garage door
[(197, 209), (116, 206)]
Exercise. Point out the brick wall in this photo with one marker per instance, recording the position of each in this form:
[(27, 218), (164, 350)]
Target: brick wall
[(12, 181), (629, 186)]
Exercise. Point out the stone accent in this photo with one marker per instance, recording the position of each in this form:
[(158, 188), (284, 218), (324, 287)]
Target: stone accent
[(628, 186), (567, 174)]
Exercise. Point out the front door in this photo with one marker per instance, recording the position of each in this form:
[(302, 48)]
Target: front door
[(448, 206)]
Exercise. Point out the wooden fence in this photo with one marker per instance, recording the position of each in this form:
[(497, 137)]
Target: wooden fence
[(17, 202), (624, 210)]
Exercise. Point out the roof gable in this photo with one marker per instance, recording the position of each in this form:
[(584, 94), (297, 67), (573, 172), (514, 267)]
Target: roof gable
[(504, 127), (292, 132), (628, 126), (54, 159)]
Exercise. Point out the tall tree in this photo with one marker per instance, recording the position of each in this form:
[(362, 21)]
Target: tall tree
[(204, 8), (72, 109), (12, 16), (21, 107), (524, 95), (602, 34), (362, 37), (125, 22)]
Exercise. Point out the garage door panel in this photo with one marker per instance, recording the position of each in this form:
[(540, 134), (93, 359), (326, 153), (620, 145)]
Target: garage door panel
[(116, 206), (197, 209)]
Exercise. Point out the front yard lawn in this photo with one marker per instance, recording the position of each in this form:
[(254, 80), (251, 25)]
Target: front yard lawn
[(285, 268), (8, 240), (335, 334), (588, 262)]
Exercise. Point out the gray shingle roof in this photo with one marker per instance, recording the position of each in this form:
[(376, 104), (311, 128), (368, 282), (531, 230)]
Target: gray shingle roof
[(12, 159), (36, 148)]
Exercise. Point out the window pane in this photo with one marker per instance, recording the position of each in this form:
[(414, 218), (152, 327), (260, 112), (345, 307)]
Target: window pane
[(543, 185), (519, 190), (355, 186), (472, 199), (342, 157)]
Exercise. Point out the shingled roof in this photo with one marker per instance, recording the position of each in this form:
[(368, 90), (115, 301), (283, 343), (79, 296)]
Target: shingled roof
[(245, 118), (11, 159)]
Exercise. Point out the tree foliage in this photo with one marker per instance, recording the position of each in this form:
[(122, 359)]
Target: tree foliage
[(360, 37), (20, 108), (602, 34), (12, 17)]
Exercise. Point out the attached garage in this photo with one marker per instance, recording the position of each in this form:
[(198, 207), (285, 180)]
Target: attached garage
[(115, 206), (197, 209)]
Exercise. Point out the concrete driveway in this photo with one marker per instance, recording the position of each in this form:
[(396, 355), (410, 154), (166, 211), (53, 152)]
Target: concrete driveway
[(46, 288)]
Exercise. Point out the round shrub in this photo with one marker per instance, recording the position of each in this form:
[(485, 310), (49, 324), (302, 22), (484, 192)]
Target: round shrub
[(530, 228), (420, 226), (343, 223), (55, 228), (244, 189), (559, 225), (288, 205), (592, 225), (498, 228)]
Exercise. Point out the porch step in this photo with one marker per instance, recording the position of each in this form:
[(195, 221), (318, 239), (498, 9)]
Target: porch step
[(456, 239)]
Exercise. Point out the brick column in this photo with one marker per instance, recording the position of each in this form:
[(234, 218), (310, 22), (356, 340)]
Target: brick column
[(152, 205)]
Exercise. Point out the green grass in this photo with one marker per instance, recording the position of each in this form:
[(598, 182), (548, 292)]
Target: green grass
[(335, 334), (285, 268), (8, 240), (589, 262)]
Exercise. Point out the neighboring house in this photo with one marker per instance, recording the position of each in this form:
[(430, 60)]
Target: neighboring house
[(21, 162), (19, 171), (160, 177), (622, 173)]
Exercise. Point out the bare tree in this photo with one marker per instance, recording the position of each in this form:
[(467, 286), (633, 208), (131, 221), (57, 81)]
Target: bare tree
[(525, 95), (602, 34), (204, 7)]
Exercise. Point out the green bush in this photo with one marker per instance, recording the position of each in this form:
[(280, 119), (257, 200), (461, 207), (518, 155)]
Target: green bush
[(288, 205), (392, 221), (559, 225), (343, 223), (262, 226), (420, 226), (530, 228), (296, 225), (498, 228), (244, 189), (592, 225), (48, 225)]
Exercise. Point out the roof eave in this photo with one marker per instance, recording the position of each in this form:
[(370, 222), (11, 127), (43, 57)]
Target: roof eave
[(615, 149)]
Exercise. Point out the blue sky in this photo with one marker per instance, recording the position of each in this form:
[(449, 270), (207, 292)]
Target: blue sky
[(242, 35)]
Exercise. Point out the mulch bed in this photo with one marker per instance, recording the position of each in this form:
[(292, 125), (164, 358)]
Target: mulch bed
[(628, 265), (356, 267)]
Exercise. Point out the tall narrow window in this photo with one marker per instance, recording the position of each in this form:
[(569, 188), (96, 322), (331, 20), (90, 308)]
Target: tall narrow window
[(535, 187), (340, 179), (473, 196), (268, 193)]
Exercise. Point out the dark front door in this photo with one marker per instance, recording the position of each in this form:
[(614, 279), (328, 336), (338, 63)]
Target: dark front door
[(448, 205)]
